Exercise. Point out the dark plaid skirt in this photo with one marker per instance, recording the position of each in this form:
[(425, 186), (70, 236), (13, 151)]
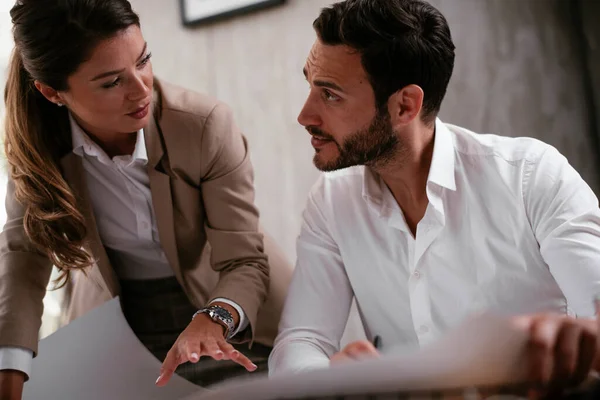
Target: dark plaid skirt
[(158, 311)]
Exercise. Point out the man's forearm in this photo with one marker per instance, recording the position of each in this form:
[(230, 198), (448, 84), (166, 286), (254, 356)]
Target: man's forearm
[(295, 356)]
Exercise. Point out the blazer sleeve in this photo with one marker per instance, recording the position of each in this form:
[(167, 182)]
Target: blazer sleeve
[(24, 276), (231, 217)]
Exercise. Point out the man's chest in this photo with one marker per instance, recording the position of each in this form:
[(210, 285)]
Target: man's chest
[(454, 266)]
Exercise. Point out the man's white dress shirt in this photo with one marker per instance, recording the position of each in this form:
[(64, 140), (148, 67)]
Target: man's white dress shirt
[(510, 227), (122, 203)]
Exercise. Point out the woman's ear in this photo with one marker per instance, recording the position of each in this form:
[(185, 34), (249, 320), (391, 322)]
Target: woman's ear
[(49, 93)]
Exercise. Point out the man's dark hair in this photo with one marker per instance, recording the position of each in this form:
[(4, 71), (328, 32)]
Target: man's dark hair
[(401, 42)]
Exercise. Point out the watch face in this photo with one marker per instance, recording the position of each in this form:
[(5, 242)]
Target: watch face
[(224, 314)]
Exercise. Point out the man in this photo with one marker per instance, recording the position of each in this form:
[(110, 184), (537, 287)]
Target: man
[(425, 223)]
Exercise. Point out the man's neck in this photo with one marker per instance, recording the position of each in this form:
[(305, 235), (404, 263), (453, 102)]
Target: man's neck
[(406, 176)]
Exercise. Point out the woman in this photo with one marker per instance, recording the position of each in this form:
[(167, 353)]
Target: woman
[(119, 180)]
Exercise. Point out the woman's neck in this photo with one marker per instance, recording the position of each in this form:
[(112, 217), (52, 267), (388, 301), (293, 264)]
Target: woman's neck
[(113, 143)]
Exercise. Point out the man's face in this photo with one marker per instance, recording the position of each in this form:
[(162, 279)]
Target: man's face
[(340, 111)]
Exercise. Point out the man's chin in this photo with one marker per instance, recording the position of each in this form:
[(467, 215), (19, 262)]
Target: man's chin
[(326, 164)]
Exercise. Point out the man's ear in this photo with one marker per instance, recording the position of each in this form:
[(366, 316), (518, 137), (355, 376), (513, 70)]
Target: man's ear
[(405, 105)]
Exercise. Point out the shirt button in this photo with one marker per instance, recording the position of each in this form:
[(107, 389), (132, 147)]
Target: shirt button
[(416, 274), (423, 329)]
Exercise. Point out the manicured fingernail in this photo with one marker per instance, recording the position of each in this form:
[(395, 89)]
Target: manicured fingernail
[(219, 353), (194, 357), (158, 379), (253, 366)]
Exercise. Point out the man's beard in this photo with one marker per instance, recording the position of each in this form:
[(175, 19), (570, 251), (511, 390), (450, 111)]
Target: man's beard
[(374, 146)]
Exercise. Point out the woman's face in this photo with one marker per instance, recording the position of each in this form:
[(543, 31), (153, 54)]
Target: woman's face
[(111, 93)]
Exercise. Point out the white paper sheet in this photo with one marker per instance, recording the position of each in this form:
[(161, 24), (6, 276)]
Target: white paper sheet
[(484, 350), (98, 357)]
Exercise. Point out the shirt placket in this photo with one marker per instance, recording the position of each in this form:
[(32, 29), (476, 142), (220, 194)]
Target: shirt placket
[(142, 216), (420, 299)]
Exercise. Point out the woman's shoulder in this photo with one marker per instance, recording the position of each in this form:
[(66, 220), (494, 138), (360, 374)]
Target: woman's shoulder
[(193, 118), (179, 100), (197, 129)]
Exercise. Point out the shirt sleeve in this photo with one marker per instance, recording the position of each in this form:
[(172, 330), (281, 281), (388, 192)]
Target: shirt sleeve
[(318, 302), (243, 322), (16, 358), (564, 215)]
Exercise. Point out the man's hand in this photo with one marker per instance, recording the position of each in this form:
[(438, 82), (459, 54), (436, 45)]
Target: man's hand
[(202, 337), (562, 350), (11, 384), (359, 350)]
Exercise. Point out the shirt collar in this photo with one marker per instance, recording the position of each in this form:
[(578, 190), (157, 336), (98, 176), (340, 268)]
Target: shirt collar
[(441, 173), (82, 144)]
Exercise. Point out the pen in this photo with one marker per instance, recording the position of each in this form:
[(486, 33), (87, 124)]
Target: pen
[(377, 341)]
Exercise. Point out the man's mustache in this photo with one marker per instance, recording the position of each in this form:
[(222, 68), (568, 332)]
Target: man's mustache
[(313, 130)]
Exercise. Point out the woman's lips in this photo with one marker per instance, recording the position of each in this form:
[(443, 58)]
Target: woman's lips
[(140, 112)]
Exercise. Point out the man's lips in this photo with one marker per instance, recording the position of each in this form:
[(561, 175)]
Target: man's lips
[(319, 141)]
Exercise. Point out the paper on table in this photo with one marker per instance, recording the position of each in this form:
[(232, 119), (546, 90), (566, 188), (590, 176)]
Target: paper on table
[(98, 357), (484, 350)]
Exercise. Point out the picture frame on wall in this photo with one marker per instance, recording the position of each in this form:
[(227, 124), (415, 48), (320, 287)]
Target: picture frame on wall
[(195, 12)]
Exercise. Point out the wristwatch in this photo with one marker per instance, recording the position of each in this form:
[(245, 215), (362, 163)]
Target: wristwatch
[(221, 316)]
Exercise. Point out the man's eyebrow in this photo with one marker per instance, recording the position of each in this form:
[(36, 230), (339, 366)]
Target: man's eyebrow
[(329, 85), (321, 83)]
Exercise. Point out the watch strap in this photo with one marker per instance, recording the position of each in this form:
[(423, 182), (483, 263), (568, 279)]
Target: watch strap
[(221, 316)]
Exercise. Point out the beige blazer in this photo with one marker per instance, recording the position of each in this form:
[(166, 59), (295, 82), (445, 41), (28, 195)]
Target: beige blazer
[(201, 181)]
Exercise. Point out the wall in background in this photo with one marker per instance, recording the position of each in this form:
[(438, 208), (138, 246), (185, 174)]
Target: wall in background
[(589, 14)]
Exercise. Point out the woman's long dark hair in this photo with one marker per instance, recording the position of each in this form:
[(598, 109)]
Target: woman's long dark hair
[(52, 38)]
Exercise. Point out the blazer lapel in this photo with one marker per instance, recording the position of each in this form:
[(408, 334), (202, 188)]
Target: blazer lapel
[(160, 187), (104, 275)]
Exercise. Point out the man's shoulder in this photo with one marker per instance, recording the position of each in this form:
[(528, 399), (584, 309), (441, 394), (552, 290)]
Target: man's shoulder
[(494, 147)]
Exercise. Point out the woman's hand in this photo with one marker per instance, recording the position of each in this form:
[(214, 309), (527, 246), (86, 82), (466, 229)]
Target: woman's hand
[(202, 337)]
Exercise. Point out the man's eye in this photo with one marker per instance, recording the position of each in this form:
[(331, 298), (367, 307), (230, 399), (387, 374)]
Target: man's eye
[(330, 96)]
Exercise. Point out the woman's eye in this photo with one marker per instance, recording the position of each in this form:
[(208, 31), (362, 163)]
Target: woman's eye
[(111, 84)]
